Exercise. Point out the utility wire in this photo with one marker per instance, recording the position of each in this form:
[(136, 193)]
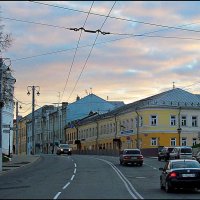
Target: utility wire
[(118, 18), (91, 51), (37, 23), (55, 26), (129, 36), (77, 46)]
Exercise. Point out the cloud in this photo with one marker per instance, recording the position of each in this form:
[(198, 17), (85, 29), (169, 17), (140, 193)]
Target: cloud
[(125, 69)]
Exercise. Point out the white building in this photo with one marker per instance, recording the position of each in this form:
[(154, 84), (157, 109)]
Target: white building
[(7, 111)]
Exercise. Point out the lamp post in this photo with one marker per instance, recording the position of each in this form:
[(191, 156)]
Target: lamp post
[(33, 88)]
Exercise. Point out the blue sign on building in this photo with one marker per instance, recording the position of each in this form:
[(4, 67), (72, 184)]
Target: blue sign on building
[(127, 132)]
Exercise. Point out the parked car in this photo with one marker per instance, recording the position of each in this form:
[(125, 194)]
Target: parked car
[(132, 156), (181, 152), (197, 156), (164, 153), (180, 173), (64, 149)]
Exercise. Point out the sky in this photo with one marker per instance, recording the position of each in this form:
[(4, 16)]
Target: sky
[(151, 46)]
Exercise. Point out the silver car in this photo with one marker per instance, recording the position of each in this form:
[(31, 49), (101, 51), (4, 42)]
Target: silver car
[(132, 156)]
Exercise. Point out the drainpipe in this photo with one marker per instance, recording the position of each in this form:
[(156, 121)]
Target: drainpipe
[(97, 134), (179, 127), (137, 128)]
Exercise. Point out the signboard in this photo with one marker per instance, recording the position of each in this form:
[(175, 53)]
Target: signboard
[(127, 132)]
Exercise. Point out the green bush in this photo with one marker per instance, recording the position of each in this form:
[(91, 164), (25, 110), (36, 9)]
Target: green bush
[(196, 145)]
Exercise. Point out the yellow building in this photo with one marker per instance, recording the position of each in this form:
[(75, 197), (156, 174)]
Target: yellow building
[(170, 118)]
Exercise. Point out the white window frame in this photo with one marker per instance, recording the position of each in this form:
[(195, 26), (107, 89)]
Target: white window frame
[(153, 121), (173, 142), (154, 141), (194, 141), (173, 120), (194, 121), (183, 120), (184, 141)]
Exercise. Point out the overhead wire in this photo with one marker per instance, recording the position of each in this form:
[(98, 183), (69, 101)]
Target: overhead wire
[(129, 36), (75, 53), (118, 18), (90, 52)]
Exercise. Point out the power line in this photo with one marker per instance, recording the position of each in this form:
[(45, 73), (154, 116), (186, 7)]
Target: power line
[(119, 18), (37, 23), (75, 52), (90, 51), (56, 26)]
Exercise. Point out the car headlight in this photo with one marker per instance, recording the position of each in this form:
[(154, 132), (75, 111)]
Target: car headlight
[(61, 149)]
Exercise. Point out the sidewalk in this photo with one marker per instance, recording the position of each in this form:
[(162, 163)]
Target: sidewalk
[(18, 161)]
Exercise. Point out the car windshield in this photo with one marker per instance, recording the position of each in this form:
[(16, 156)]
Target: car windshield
[(185, 164), (186, 150), (132, 152), (64, 146)]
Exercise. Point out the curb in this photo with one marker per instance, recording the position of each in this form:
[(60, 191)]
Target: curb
[(23, 165)]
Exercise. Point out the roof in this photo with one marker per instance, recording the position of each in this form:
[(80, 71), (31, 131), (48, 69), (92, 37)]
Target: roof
[(82, 107)]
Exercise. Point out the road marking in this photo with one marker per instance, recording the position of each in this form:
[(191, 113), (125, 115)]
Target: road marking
[(72, 177), (126, 182), (66, 186), (151, 166), (75, 164), (140, 177), (75, 171), (57, 195)]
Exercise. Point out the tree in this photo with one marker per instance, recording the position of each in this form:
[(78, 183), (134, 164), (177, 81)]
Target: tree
[(5, 39)]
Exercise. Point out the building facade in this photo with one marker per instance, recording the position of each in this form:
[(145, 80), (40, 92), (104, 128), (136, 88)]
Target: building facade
[(170, 118)]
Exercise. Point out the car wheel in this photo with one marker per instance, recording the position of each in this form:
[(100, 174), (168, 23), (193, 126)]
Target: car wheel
[(159, 159), (120, 162), (168, 188), (141, 164)]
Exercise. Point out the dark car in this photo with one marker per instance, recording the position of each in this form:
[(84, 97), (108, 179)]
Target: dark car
[(64, 149), (164, 154), (132, 156), (180, 173)]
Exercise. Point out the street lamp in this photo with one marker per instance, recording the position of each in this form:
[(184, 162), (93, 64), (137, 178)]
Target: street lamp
[(33, 88)]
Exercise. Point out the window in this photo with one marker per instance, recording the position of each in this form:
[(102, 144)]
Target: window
[(173, 120), (194, 141), (153, 141), (194, 121), (153, 120), (184, 142), (173, 141), (183, 120)]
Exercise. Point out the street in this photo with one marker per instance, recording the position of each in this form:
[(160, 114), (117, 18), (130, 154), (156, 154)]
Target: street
[(87, 177)]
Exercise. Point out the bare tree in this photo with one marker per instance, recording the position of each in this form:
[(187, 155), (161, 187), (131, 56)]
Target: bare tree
[(5, 40)]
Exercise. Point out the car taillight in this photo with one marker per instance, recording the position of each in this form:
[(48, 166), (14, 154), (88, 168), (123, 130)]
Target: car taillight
[(127, 157), (173, 174), (140, 157)]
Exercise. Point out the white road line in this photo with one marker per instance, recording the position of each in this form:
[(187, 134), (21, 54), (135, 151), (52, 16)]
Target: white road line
[(126, 182), (57, 195), (75, 164), (75, 171), (72, 177), (150, 166), (66, 186)]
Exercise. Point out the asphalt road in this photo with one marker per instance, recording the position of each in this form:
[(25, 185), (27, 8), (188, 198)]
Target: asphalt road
[(87, 177)]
